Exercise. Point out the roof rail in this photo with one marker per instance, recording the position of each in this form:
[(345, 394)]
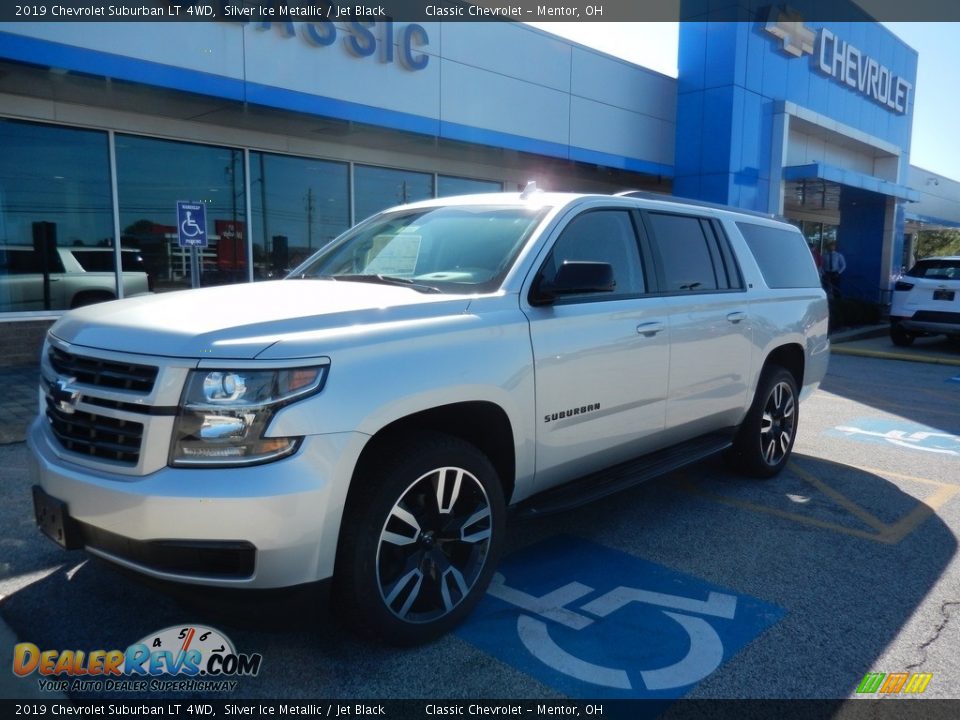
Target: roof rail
[(648, 195)]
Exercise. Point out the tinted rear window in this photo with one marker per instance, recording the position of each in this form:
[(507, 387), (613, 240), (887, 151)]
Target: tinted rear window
[(102, 260), (938, 269), (782, 254), (27, 261), (685, 252)]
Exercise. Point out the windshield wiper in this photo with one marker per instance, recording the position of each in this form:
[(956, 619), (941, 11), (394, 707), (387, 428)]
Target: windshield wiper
[(391, 280)]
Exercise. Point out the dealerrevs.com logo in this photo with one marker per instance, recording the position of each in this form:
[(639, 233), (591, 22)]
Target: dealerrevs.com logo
[(186, 658)]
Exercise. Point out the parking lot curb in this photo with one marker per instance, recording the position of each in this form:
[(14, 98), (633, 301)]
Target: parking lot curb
[(859, 333), (930, 359)]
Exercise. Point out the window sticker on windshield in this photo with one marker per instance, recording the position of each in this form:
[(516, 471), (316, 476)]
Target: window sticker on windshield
[(393, 255)]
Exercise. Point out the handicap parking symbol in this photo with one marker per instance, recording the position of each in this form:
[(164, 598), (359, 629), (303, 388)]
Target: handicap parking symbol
[(593, 622), (900, 434)]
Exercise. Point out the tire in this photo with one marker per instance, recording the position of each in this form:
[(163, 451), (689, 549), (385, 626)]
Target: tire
[(765, 440), (420, 542), (900, 337), (91, 297)]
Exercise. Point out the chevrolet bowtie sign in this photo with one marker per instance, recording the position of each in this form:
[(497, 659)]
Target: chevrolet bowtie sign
[(795, 37), (838, 59)]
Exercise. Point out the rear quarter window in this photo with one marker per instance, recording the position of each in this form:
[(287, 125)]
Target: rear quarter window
[(782, 254)]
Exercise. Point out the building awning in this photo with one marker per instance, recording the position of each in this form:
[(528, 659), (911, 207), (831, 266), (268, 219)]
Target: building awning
[(929, 222), (831, 173)]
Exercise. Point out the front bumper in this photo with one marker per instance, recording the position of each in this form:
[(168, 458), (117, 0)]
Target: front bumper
[(264, 526)]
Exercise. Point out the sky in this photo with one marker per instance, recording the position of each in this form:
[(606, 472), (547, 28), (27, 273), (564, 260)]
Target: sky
[(935, 145)]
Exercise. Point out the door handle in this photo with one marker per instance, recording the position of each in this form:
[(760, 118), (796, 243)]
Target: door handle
[(649, 329), (737, 316)]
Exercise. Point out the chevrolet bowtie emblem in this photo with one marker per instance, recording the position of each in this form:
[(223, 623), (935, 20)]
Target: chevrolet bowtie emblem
[(786, 24), (64, 396)]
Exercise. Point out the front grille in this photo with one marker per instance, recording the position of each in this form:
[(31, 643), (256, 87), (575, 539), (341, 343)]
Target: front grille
[(936, 316), (96, 436), (103, 373)]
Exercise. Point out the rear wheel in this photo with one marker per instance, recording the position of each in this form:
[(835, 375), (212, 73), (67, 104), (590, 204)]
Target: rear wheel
[(91, 297), (900, 337), (419, 546), (764, 441)]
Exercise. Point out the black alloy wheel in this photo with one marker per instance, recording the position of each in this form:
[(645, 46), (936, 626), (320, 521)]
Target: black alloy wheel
[(419, 547)]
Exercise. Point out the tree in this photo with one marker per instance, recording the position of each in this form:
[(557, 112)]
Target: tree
[(931, 243)]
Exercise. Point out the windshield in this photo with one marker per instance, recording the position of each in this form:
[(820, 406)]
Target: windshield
[(455, 249)]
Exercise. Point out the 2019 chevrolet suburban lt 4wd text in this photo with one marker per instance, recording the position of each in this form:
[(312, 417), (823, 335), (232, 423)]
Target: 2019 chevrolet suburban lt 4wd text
[(371, 418)]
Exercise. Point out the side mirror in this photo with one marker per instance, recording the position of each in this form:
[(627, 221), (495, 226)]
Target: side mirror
[(575, 277)]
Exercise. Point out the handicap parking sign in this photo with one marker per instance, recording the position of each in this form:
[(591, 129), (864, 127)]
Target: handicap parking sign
[(191, 224), (593, 622)]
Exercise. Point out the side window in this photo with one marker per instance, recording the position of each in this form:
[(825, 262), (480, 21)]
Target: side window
[(686, 253), (728, 272), (601, 236), (782, 254), (27, 261)]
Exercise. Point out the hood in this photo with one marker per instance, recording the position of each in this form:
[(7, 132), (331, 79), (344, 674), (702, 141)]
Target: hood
[(242, 321)]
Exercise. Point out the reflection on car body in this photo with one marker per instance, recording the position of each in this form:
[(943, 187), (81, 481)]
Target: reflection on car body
[(73, 277)]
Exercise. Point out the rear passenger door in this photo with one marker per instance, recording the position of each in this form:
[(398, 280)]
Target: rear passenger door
[(600, 358), (710, 324)]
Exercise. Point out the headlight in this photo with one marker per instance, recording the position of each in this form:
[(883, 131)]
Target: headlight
[(224, 414)]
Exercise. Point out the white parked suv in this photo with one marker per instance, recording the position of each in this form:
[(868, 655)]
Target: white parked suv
[(926, 301), (78, 275), (371, 418)]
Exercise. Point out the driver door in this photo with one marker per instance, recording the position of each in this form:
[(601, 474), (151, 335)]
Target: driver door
[(600, 359)]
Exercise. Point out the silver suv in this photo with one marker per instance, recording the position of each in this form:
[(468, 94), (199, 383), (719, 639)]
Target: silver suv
[(370, 418)]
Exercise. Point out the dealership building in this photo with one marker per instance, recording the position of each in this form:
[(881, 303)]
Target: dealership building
[(286, 133)]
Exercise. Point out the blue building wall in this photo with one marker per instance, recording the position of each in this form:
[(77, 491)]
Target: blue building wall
[(730, 77), (862, 215), (734, 78)]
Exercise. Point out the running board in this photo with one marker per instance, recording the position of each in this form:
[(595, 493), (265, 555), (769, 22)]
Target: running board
[(620, 477)]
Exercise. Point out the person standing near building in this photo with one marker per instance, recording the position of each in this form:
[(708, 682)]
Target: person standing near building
[(833, 265)]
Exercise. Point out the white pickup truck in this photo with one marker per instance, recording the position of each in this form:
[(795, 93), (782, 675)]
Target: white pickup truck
[(372, 417)]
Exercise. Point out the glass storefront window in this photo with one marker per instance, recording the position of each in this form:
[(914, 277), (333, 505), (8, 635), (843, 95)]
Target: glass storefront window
[(448, 186), (54, 206), (818, 235), (813, 232), (378, 188), (298, 205), (152, 175)]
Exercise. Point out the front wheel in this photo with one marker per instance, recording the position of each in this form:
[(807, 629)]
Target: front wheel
[(764, 441), (421, 539)]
